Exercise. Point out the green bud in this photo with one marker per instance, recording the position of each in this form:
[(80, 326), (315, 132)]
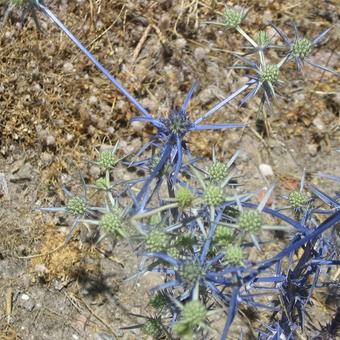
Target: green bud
[(159, 301), (270, 73), (297, 199), (113, 220), (193, 313), (234, 255), (250, 221), (156, 241), (174, 252), (233, 17), (262, 38), (302, 47), (107, 159), (153, 328), (76, 206), (190, 273), (218, 171), (213, 195), (184, 197), (223, 236)]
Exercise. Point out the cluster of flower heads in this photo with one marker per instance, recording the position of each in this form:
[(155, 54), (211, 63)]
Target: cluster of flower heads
[(196, 225)]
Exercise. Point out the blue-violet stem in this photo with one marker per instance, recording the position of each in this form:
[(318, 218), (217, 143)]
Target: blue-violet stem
[(101, 68)]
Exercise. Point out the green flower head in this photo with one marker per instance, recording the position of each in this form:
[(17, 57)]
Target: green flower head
[(190, 272), (270, 73), (184, 197), (156, 241), (213, 195), (233, 17), (250, 221), (107, 159), (297, 199), (234, 255), (262, 38), (153, 328), (193, 313), (302, 48), (76, 206), (159, 301), (113, 220), (223, 236), (218, 171)]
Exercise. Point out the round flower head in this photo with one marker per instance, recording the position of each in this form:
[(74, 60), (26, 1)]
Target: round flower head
[(113, 220), (213, 195), (184, 197), (159, 301), (302, 48), (156, 241), (270, 73), (218, 171), (223, 236), (234, 255), (107, 159), (193, 313), (190, 273), (250, 220), (297, 199), (76, 206), (153, 328), (178, 122), (174, 252), (233, 17)]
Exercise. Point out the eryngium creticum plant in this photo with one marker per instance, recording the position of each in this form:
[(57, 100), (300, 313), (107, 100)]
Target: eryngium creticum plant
[(198, 229)]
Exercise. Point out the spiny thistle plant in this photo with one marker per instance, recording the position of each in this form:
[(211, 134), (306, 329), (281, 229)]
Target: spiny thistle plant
[(193, 221)]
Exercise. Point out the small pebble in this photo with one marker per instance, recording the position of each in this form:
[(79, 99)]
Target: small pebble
[(312, 149), (200, 53), (25, 297), (50, 140), (94, 171), (319, 124), (180, 43), (93, 100), (266, 170), (68, 67)]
